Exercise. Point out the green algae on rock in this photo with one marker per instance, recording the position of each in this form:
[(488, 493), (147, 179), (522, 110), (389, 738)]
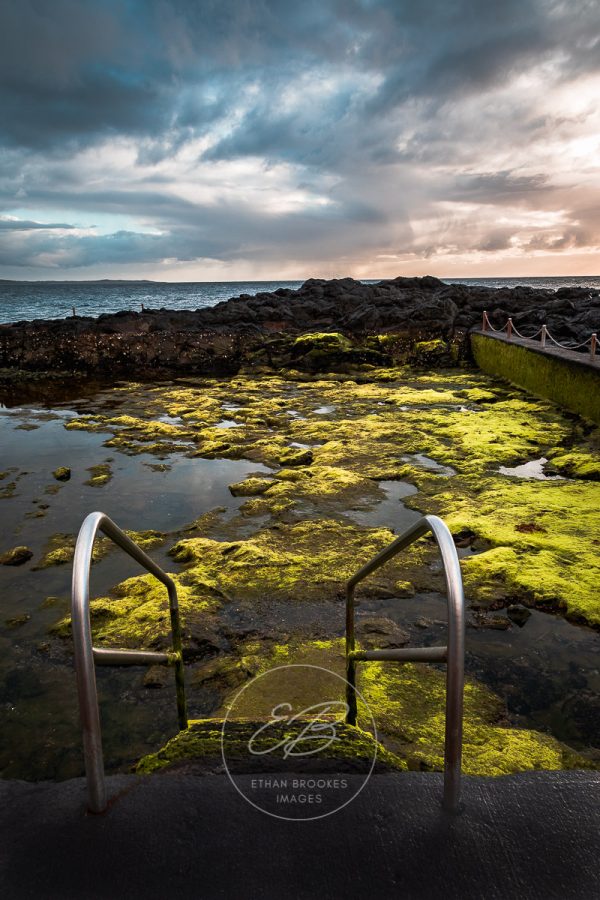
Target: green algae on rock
[(432, 354), (576, 464), (251, 486), (137, 616), (63, 473), (543, 537), (315, 491), (408, 706), (60, 548), (99, 475), (312, 558), (17, 621), (296, 457), (200, 747)]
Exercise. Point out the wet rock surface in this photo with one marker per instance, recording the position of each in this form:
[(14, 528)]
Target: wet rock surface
[(221, 339)]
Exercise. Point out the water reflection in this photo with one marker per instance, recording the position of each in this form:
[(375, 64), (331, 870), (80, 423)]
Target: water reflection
[(39, 731), (390, 512)]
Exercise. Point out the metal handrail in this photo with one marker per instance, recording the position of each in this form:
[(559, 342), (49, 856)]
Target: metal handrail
[(87, 656), (453, 654)]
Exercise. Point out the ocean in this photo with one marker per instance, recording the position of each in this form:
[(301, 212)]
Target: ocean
[(22, 300)]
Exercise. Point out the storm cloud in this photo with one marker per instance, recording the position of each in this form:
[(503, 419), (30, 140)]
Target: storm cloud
[(238, 139)]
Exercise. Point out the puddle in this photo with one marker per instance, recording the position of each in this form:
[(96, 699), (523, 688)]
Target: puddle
[(425, 462), (305, 446), (389, 512), (230, 407), (324, 410), (170, 420), (294, 414), (533, 469), (228, 423)]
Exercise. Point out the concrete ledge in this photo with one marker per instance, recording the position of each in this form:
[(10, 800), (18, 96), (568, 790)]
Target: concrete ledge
[(534, 835), (568, 379)]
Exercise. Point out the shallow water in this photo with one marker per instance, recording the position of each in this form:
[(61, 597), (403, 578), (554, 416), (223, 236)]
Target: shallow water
[(390, 512), (39, 733), (532, 469), (425, 462)]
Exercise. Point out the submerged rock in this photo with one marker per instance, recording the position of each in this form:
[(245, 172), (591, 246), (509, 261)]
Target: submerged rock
[(17, 621), (518, 614), (16, 557)]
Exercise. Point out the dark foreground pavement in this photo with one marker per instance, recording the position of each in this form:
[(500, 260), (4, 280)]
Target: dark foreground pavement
[(534, 835)]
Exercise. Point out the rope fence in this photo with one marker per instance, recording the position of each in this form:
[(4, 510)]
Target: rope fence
[(544, 335)]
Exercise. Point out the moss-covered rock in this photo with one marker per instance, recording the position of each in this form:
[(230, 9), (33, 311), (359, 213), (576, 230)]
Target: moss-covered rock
[(17, 621), (311, 559), (251, 487), (63, 473), (435, 354), (99, 475), (577, 464), (543, 537), (60, 548), (199, 747), (137, 615), (296, 457)]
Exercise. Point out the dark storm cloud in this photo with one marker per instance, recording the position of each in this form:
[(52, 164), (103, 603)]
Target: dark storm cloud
[(77, 67), (385, 98)]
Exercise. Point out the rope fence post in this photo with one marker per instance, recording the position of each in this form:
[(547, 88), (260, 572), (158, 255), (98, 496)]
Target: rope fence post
[(512, 333)]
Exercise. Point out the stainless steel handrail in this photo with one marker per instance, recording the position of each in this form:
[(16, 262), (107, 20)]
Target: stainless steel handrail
[(87, 656), (453, 655)]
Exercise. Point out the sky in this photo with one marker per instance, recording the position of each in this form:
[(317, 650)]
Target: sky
[(218, 140)]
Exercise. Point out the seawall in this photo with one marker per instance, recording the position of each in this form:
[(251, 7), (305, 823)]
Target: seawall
[(572, 383)]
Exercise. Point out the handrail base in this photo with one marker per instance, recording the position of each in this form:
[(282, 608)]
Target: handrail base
[(105, 656), (411, 654)]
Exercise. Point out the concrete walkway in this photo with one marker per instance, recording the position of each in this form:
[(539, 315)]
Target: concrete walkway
[(534, 835), (580, 357)]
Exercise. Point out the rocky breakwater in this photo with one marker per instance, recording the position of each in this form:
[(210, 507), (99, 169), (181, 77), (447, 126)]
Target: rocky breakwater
[(372, 323)]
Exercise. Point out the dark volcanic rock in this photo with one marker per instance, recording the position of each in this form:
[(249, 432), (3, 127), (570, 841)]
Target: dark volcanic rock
[(221, 338)]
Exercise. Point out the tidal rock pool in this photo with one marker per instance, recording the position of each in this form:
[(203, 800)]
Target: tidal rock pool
[(262, 517)]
